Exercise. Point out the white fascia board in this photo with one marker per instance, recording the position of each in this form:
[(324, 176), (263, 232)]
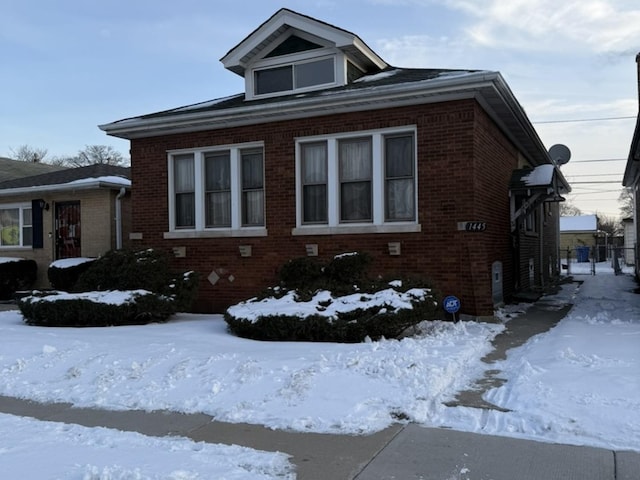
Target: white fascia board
[(339, 38), (427, 91), (61, 187)]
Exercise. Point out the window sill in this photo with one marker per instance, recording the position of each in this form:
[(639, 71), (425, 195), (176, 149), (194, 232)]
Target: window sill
[(245, 232), (356, 229)]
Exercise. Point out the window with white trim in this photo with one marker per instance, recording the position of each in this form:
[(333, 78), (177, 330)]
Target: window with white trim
[(294, 76), (357, 179), (16, 227), (216, 189)]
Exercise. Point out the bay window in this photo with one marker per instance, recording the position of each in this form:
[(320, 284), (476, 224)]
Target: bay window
[(216, 191)]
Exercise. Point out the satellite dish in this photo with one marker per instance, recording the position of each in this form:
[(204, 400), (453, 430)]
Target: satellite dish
[(560, 153)]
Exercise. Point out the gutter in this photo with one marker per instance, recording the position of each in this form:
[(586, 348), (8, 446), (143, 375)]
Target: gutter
[(58, 188), (118, 206)]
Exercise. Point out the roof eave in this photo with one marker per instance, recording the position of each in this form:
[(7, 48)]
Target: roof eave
[(487, 87), (41, 189)]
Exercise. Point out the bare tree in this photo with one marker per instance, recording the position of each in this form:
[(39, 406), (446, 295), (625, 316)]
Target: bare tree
[(96, 154), (626, 202), (27, 153), (569, 210), (610, 225)]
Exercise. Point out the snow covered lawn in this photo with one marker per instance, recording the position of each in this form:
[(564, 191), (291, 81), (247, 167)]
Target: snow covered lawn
[(578, 383)]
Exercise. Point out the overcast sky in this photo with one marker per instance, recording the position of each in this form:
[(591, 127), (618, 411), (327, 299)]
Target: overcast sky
[(68, 65)]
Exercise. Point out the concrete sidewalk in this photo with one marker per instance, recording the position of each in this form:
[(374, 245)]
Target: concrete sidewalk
[(400, 452)]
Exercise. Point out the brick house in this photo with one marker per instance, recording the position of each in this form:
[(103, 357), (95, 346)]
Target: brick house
[(328, 150), (74, 212)]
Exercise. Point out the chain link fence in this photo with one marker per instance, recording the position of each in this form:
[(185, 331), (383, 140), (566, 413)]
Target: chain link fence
[(585, 260)]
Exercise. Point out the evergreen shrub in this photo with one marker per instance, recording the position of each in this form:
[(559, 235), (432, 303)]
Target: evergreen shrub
[(65, 278), (78, 311), (19, 274), (159, 293), (345, 275)]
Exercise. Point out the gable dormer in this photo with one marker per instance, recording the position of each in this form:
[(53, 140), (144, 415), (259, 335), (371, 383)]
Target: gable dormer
[(294, 53)]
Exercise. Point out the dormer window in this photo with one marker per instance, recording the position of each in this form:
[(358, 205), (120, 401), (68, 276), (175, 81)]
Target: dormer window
[(293, 53), (295, 76)]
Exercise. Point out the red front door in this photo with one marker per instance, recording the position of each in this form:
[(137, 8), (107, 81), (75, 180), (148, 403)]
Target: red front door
[(68, 230)]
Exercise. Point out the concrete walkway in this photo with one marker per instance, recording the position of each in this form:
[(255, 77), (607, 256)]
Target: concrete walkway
[(400, 452)]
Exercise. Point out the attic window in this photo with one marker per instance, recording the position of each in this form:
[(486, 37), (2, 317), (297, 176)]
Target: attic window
[(295, 76)]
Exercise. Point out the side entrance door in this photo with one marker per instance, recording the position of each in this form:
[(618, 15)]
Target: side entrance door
[(67, 221)]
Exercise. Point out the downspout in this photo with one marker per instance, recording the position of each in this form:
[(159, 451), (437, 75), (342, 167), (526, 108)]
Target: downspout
[(121, 194), (541, 234)]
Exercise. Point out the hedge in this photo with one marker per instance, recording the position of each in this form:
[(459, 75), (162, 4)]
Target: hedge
[(16, 274)]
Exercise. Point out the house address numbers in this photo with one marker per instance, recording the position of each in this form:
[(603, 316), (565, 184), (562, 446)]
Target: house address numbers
[(472, 226)]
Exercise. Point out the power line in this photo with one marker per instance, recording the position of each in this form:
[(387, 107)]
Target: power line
[(576, 120)]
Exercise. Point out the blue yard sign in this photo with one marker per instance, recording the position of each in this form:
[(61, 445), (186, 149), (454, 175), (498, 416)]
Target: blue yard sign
[(451, 304)]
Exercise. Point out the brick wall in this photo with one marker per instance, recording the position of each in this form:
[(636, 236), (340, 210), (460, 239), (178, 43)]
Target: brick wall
[(464, 165)]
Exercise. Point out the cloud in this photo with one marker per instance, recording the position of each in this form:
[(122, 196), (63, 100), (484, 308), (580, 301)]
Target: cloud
[(601, 26)]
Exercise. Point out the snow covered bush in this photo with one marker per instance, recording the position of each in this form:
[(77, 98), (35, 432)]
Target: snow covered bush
[(63, 274), (123, 287), (95, 309), (16, 274), (335, 303)]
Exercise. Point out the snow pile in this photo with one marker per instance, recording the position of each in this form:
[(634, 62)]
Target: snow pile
[(192, 364), (34, 449), (70, 262), (110, 297)]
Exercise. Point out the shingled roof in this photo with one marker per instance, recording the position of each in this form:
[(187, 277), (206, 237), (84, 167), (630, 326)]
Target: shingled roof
[(12, 169), (67, 175)]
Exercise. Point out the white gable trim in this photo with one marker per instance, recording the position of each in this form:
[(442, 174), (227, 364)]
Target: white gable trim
[(239, 58)]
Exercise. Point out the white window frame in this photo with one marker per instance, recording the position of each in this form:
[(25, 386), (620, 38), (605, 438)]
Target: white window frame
[(200, 230), (21, 225), (378, 224), (293, 60)]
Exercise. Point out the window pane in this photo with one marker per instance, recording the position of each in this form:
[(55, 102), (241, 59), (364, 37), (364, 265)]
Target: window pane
[(315, 203), (399, 156), (400, 180), (183, 173), (355, 201), (252, 174), (273, 80), (217, 171), (400, 199), (252, 188), (26, 217), (355, 180), (355, 160), (252, 208), (184, 181), (314, 179), (10, 226), (314, 163), (27, 236), (218, 189), (185, 210), (314, 73), (218, 209)]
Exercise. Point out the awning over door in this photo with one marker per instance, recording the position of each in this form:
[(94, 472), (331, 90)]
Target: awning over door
[(530, 187)]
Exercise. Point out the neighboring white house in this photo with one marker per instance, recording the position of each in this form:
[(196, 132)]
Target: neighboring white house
[(629, 241)]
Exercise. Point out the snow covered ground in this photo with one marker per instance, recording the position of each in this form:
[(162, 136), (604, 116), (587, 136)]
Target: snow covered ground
[(577, 384)]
